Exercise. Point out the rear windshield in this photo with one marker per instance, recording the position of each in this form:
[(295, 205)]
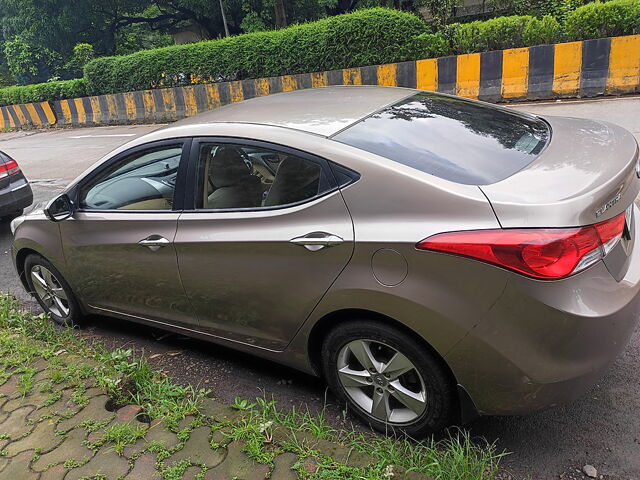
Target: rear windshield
[(451, 138)]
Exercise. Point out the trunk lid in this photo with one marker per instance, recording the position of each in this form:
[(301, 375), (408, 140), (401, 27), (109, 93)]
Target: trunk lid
[(586, 174)]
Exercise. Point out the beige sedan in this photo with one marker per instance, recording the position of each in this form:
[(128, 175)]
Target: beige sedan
[(433, 258)]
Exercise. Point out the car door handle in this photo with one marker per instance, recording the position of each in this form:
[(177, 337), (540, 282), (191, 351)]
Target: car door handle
[(317, 240), (154, 242)]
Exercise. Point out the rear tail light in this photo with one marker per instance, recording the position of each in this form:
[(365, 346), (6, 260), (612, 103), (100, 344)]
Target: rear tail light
[(545, 253), (8, 167)]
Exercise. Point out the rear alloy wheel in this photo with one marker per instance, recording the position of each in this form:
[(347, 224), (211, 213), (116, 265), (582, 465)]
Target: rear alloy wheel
[(51, 290), (391, 381)]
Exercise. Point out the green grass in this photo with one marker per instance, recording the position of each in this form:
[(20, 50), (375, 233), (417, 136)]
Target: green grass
[(130, 379), (456, 457), (120, 435), (127, 376)]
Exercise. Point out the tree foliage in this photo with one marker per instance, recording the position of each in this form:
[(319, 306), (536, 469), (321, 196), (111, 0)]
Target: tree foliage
[(43, 33), (38, 37)]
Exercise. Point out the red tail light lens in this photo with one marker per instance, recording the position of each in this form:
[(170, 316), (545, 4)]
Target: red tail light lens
[(9, 167), (546, 253)]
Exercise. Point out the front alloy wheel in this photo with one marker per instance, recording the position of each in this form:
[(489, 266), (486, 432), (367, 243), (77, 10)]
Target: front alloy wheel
[(49, 291)]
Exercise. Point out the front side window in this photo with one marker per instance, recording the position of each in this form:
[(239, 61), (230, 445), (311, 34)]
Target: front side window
[(142, 181), (247, 177)]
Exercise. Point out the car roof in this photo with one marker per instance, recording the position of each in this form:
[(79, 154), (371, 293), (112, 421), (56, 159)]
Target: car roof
[(321, 111)]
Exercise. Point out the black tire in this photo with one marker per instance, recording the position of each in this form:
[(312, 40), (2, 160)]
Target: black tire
[(74, 315), (439, 389), (11, 216)]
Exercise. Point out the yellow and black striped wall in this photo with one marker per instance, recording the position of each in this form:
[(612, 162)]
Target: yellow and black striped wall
[(607, 66), (27, 115)]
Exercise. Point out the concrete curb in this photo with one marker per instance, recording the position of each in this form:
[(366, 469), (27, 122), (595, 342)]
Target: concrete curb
[(606, 66)]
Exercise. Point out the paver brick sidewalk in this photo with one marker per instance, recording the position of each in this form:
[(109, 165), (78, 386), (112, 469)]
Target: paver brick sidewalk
[(56, 431)]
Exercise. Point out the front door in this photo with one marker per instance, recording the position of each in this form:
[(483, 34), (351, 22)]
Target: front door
[(119, 244), (268, 235)]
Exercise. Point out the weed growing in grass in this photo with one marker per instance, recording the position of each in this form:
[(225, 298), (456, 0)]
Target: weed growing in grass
[(242, 404), (175, 471), (258, 436), (93, 425), (78, 396), (25, 382), (120, 435), (70, 463), (57, 375)]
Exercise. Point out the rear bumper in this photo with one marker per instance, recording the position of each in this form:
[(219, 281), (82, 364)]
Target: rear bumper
[(15, 197), (543, 344)]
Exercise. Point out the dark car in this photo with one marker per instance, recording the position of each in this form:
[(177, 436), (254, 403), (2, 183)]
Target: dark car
[(15, 192)]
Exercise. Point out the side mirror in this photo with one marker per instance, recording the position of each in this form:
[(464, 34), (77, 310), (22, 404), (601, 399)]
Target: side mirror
[(59, 209)]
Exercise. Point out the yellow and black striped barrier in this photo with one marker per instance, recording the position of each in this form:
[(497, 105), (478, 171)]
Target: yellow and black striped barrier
[(28, 115), (607, 66)]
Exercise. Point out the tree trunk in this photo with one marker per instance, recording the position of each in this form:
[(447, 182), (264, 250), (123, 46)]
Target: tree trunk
[(224, 19), (281, 14)]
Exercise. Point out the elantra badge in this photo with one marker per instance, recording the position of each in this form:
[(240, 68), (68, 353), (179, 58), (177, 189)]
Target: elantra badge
[(608, 205)]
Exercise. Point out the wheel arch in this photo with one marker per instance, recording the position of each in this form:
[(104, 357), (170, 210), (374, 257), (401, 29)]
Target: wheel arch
[(21, 258), (331, 320)]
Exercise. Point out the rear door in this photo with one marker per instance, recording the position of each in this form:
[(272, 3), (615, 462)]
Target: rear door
[(119, 244), (267, 235)]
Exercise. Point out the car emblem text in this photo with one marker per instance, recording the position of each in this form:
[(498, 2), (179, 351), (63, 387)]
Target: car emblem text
[(608, 205)]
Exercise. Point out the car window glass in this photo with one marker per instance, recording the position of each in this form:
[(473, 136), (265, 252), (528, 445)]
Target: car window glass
[(236, 176), (143, 181), (452, 138)]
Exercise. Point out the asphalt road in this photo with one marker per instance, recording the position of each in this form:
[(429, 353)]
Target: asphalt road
[(602, 428)]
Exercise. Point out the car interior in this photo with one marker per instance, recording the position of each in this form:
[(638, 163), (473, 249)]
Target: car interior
[(244, 177), (233, 177), (145, 183)]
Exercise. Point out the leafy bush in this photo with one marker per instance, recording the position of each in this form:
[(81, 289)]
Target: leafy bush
[(365, 37), (431, 45), (42, 92), (537, 8), (29, 63), (608, 19), (83, 53), (505, 32)]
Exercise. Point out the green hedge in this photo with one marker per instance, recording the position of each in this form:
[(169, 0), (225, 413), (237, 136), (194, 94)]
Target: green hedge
[(365, 37), (430, 45), (42, 92), (608, 19), (504, 32)]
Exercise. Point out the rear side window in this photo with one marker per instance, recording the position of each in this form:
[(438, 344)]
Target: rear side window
[(452, 138), (248, 177)]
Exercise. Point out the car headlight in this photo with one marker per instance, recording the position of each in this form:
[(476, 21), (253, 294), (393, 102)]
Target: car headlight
[(15, 223)]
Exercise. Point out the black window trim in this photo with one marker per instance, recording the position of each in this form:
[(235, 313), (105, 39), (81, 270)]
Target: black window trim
[(192, 188), (179, 191)]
